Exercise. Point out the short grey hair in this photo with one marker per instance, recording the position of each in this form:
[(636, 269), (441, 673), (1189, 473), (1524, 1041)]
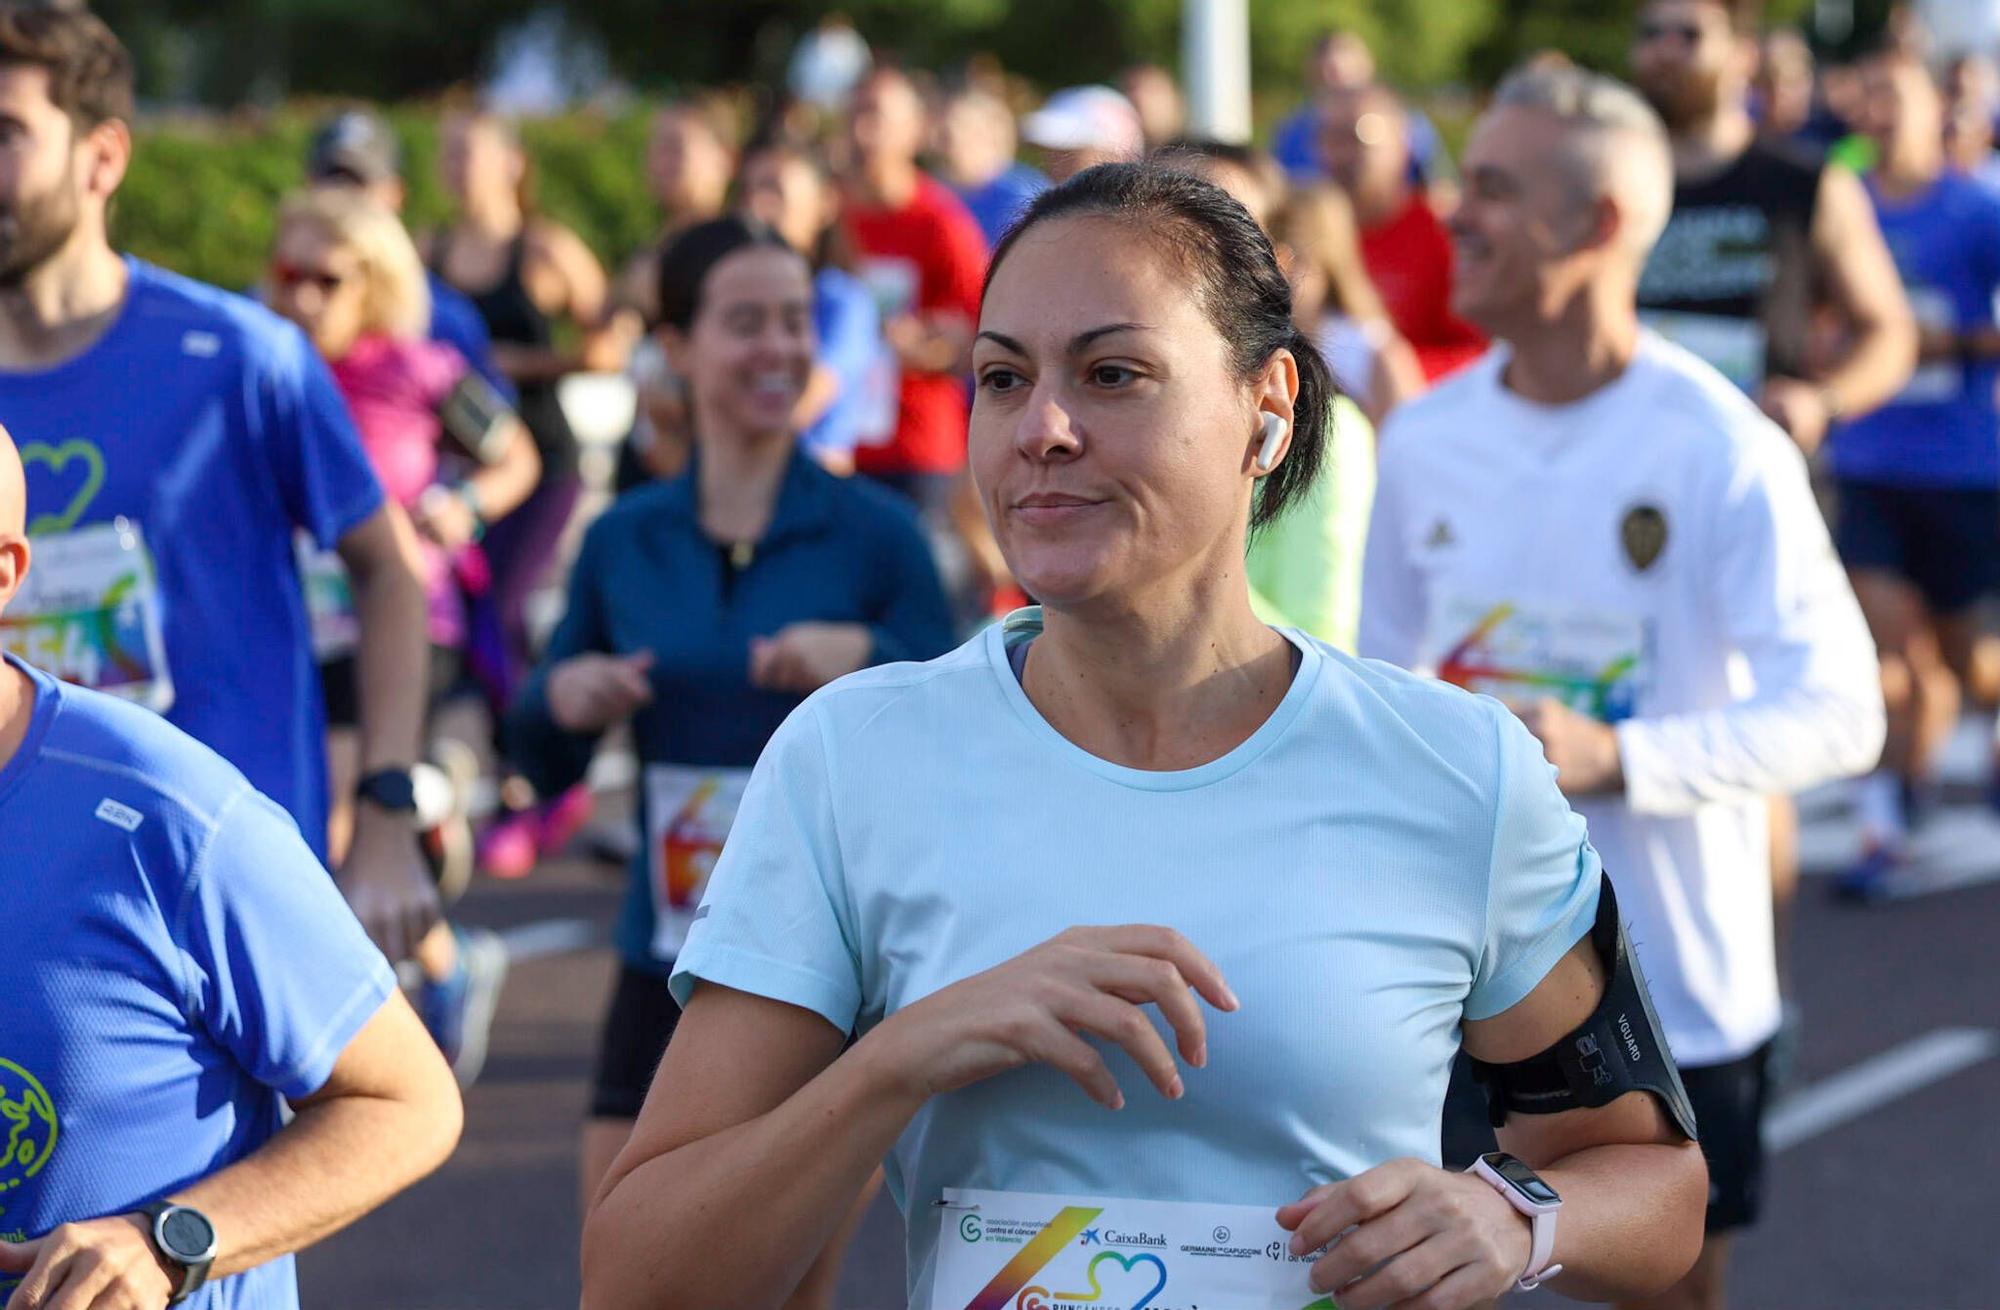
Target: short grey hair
[(1616, 145)]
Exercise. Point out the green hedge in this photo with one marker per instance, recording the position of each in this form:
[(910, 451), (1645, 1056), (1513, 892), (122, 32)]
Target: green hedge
[(201, 197)]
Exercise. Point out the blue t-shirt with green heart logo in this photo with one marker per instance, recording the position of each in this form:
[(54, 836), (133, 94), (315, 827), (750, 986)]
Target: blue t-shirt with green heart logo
[(173, 967), (212, 429)]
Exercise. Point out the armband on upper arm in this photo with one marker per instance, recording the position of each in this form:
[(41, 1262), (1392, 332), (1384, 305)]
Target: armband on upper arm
[(475, 419), (1620, 1048)]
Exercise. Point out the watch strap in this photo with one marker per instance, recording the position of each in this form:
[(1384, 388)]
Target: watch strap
[(393, 789), (1541, 1228)]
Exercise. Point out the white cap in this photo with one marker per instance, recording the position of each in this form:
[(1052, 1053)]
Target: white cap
[(1086, 118)]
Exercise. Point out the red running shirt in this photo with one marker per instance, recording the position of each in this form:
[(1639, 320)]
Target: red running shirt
[(926, 257), (1409, 260)]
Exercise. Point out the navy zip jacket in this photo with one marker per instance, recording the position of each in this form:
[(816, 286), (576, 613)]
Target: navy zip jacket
[(648, 579)]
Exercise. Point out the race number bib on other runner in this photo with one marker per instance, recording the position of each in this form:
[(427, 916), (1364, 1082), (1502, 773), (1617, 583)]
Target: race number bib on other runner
[(1733, 347), (336, 628), (1027, 1251), (893, 284), (1939, 381), (1594, 663), (688, 815), (89, 613)]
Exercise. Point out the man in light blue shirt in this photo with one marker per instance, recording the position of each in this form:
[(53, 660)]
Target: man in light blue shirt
[(179, 972)]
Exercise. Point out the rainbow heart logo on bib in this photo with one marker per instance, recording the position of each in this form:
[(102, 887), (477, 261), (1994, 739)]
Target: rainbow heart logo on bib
[(56, 459), (1130, 1264)]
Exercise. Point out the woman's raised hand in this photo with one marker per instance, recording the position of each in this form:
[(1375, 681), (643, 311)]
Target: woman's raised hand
[(1033, 1008)]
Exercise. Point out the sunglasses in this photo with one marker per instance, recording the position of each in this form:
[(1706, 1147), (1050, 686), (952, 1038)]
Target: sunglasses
[(290, 277), (1685, 33)]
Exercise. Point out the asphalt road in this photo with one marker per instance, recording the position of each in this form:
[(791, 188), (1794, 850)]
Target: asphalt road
[(1885, 1196)]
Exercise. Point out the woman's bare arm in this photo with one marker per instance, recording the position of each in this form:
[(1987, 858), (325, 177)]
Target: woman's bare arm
[(764, 1124), (1634, 1190), (738, 1174)]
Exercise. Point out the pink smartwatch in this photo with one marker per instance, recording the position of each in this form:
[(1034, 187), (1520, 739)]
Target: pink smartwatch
[(1527, 1193)]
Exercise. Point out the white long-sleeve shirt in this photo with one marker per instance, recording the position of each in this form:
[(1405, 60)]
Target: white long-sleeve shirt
[(1652, 555)]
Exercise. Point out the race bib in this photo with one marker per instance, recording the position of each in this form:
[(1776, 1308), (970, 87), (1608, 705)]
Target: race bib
[(1940, 380), (1594, 663), (1733, 347), (336, 628), (893, 284), (688, 815), (1023, 1251), (89, 613)]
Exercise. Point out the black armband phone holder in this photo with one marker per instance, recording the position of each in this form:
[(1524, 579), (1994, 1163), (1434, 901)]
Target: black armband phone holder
[(475, 419), (1619, 1049)]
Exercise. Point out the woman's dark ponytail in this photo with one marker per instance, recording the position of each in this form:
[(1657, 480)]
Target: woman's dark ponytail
[(1312, 423)]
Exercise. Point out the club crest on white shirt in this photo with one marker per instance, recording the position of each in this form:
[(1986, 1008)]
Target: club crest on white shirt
[(1643, 533)]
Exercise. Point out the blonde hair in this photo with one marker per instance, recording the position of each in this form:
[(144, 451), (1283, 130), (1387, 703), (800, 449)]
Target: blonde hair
[(1318, 225), (396, 297)]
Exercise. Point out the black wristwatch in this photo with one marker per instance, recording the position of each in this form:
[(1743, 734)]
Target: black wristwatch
[(392, 789), (185, 1239)]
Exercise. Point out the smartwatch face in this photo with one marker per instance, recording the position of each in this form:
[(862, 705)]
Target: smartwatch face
[(1523, 1179), (187, 1235)]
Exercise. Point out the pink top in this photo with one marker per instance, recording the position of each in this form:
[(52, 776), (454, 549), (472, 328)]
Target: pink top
[(393, 389)]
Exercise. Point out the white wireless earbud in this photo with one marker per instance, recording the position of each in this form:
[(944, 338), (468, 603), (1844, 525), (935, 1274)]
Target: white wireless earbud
[(1275, 431)]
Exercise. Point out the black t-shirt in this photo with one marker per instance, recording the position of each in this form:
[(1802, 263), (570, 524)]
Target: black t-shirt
[(1731, 277)]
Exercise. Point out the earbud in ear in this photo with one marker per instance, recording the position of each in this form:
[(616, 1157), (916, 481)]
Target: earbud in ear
[(1275, 431)]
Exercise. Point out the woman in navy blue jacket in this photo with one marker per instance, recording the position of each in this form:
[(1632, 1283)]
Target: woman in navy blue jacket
[(705, 608)]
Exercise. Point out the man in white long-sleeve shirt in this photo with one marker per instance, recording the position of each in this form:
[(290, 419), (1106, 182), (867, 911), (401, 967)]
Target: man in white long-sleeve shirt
[(1597, 528)]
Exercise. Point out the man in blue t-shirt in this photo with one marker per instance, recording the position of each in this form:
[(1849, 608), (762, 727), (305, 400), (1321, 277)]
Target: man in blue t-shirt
[(176, 438), (976, 144), (1919, 479), (1342, 61), (177, 973), (356, 148)]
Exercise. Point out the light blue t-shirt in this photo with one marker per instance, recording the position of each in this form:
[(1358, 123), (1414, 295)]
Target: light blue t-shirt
[(212, 425), (1384, 857), (173, 962)]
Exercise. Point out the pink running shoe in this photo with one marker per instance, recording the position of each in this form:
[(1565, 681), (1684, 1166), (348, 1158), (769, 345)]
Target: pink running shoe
[(562, 818), (508, 849)]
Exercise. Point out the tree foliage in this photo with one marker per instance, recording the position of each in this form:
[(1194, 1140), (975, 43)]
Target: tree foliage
[(227, 51), (203, 198)]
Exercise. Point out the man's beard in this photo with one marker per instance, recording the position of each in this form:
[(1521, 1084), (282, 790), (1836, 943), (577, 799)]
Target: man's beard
[(1688, 99), (34, 230)]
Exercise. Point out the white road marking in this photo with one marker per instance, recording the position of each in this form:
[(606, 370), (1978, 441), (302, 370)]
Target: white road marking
[(531, 941), (1875, 1082)]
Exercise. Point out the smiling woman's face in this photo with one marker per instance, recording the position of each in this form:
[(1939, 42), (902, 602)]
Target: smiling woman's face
[(1111, 440)]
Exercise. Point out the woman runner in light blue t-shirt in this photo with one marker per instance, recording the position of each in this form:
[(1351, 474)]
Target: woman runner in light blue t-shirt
[(1354, 869)]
